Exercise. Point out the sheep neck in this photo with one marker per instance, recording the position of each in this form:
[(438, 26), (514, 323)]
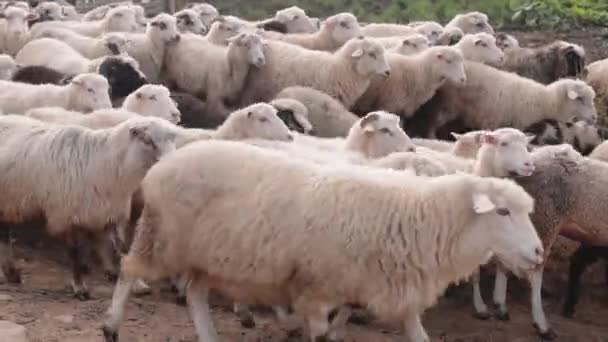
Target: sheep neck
[(238, 65), (344, 82), (543, 106)]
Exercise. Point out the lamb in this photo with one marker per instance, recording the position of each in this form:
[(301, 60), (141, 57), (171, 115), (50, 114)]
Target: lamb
[(418, 76), (222, 76), (327, 115), (295, 20), (547, 63), (335, 32), (294, 114), (13, 30), (481, 48), (49, 11), (506, 41), (207, 12), (486, 101), (471, 22), (8, 67), (37, 157), (407, 45), (149, 48), (450, 36), (85, 93), (595, 75), (107, 44), (189, 20), (149, 100), (344, 75), (118, 19), (401, 194), (221, 31), (56, 55)]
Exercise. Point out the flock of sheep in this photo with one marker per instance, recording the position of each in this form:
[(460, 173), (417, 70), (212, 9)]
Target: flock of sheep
[(311, 165)]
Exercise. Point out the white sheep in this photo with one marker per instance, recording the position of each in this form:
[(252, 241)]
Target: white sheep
[(482, 48), (396, 30), (430, 29), (414, 80), (69, 13), (8, 67), (405, 45), (466, 145), (471, 208), (487, 101), (108, 44), (344, 75), (189, 20), (294, 114), (13, 30), (207, 12), (295, 20), (118, 19), (335, 32), (471, 22), (222, 75), (327, 115), (56, 55), (596, 77), (149, 48), (80, 180), (420, 164), (50, 10), (85, 93), (222, 30)]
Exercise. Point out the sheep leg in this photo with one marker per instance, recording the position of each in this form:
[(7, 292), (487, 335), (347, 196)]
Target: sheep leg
[(104, 247), (180, 283), (116, 312), (11, 273), (281, 312), (538, 314), (414, 329), (481, 309), (75, 256), (198, 305), (318, 325), (244, 315), (500, 294), (338, 324), (583, 257)]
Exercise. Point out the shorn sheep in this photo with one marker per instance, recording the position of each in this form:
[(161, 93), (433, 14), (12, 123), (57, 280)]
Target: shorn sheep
[(13, 29), (327, 115), (547, 63), (344, 75), (85, 93), (471, 22), (103, 168), (149, 48), (414, 80), (595, 75), (221, 78), (335, 32), (315, 283), (107, 44), (494, 98)]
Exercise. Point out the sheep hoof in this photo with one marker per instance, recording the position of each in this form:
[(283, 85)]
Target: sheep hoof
[(112, 276), (181, 300), (11, 273), (247, 322), (82, 295), (109, 335), (482, 316), (548, 335), (502, 315)]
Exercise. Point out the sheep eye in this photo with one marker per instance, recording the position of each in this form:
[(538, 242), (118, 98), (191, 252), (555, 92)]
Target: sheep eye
[(162, 26), (503, 212), (480, 25), (434, 33), (118, 15), (483, 44), (386, 131), (344, 24), (296, 17), (263, 119), (448, 61), (372, 55), (90, 90), (152, 97)]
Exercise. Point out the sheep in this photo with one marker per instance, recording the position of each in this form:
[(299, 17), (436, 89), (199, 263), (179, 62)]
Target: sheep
[(395, 30), (327, 115), (450, 36), (584, 256), (193, 112), (466, 145), (344, 75), (13, 30), (413, 81), (34, 74), (118, 19), (430, 29), (221, 31), (506, 41), (406, 45), (584, 137), (221, 78), (547, 63), (481, 48), (471, 22), (69, 13), (421, 165), (80, 202), (486, 101), (294, 114), (123, 74), (335, 32), (107, 44), (295, 20), (149, 48), (85, 93), (56, 55), (8, 67), (480, 221), (207, 12), (49, 11), (189, 20), (149, 100), (595, 75)]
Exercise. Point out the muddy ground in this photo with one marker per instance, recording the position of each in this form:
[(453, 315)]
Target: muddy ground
[(43, 305)]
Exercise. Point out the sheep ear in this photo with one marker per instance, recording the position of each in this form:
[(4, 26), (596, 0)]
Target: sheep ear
[(77, 83), (367, 121), (478, 42), (530, 137), (440, 55), (572, 95), (482, 203), (358, 53), (405, 42), (136, 131), (138, 95), (489, 138), (456, 135)]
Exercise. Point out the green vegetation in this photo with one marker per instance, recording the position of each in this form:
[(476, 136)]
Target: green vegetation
[(531, 13)]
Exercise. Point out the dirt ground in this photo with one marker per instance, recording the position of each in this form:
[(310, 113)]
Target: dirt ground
[(43, 304)]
